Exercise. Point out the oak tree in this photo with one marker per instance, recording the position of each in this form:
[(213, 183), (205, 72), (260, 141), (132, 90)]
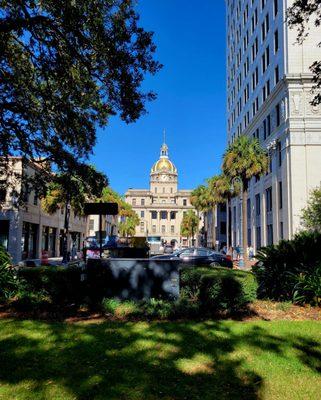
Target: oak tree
[(66, 66)]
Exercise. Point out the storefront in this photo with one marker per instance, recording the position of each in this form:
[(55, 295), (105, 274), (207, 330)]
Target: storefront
[(29, 240), (4, 233), (49, 240)]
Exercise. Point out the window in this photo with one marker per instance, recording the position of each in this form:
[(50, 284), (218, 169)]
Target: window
[(163, 190), (173, 215), (25, 193), (184, 202), (265, 27), (223, 227), (276, 41), (279, 150), (257, 205), (268, 194), (35, 199), (278, 115), (142, 202), (134, 202), (154, 214), (265, 59), (142, 214), (258, 237), (276, 74), (163, 229), (281, 231), (172, 229), (91, 225), (276, 7), (249, 237), (264, 129), (3, 190), (142, 227), (269, 233), (154, 228), (201, 253), (248, 209), (268, 125), (187, 252), (155, 189), (163, 214), (280, 196)]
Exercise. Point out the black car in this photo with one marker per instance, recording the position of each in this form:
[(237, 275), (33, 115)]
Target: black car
[(198, 256)]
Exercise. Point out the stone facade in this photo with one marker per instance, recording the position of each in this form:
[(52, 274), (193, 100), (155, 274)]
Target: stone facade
[(109, 225), (269, 97), (161, 208), (26, 230)]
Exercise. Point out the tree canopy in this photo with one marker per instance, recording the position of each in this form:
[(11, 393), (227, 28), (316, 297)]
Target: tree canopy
[(66, 66), (299, 15), (245, 158), (311, 215), (189, 224), (69, 189)]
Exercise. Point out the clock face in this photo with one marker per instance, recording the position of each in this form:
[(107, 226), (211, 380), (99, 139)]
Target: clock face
[(164, 178)]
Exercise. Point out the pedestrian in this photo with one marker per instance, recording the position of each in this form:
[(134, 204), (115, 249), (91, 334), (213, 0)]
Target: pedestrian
[(238, 252), (251, 253)]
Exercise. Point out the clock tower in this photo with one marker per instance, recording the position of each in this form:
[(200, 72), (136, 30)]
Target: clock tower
[(163, 175)]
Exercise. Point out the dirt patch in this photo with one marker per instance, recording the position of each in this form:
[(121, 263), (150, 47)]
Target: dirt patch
[(270, 311), (260, 310)]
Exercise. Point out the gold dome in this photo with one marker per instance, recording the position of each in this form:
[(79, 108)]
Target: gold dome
[(164, 164)]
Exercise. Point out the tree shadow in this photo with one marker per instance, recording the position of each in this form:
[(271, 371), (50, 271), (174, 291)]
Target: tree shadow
[(114, 360)]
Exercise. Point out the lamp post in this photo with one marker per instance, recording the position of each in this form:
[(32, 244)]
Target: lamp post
[(240, 183), (65, 258)]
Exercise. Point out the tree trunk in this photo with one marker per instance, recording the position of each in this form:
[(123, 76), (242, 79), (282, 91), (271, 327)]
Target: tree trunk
[(214, 227), (197, 228), (244, 225), (65, 257), (227, 225)]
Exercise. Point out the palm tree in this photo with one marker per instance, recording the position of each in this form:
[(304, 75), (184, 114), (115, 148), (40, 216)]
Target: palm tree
[(244, 159), (127, 228), (214, 198), (199, 199), (70, 192), (226, 191), (189, 225)]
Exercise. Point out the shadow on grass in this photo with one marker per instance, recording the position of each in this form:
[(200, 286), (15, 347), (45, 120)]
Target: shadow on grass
[(138, 360)]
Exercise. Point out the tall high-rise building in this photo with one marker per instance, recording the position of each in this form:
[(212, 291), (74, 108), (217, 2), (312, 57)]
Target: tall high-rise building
[(269, 97)]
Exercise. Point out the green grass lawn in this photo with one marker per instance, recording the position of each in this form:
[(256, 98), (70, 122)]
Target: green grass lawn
[(160, 360)]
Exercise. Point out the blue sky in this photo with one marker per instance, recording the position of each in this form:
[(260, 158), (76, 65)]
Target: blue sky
[(191, 101)]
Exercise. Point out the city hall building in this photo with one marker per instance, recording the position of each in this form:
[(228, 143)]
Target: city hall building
[(269, 97), (162, 206)]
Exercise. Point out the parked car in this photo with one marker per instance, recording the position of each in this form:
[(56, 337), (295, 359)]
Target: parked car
[(198, 256)]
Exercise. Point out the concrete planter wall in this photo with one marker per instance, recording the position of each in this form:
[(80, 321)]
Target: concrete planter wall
[(133, 278)]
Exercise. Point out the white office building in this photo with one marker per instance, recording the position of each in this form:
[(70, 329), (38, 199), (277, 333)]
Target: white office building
[(269, 97)]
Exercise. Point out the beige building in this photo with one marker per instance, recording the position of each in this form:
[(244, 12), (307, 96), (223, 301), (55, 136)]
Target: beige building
[(25, 229), (109, 225), (161, 208)]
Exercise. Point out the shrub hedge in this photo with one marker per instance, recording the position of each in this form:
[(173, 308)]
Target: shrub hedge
[(218, 289), (280, 267), (59, 285), (8, 281)]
